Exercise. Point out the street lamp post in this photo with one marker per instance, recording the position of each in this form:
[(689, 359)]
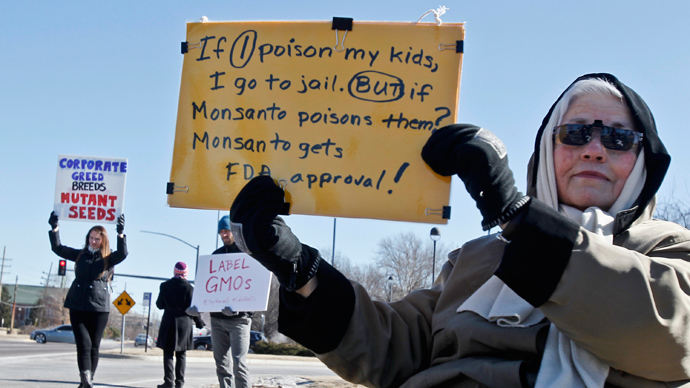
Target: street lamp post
[(390, 287), (182, 241), (435, 235)]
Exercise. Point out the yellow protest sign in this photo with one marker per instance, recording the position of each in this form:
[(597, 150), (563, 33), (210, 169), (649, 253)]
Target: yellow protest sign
[(340, 123)]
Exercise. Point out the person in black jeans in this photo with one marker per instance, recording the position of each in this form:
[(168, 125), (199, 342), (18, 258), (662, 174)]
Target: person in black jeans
[(175, 334), (88, 299)]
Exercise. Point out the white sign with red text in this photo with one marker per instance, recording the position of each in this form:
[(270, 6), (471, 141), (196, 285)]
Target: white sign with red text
[(90, 188), (232, 280)]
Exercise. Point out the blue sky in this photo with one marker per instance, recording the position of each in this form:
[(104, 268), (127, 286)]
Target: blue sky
[(102, 78)]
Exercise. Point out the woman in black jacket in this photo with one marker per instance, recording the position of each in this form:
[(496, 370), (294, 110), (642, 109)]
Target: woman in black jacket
[(88, 299)]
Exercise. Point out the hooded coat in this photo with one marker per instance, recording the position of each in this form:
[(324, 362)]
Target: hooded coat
[(627, 303), (176, 331)]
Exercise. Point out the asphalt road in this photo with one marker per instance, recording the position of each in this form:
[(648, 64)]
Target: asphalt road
[(25, 363)]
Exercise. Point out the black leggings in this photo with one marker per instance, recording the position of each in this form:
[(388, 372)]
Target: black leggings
[(88, 329)]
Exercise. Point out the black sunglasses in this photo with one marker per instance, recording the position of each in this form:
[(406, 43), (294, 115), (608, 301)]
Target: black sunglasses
[(618, 139)]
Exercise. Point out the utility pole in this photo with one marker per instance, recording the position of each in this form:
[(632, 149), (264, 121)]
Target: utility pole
[(14, 303), (2, 269)]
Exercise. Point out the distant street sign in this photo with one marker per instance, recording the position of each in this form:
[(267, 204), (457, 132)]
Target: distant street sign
[(147, 299), (124, 302)]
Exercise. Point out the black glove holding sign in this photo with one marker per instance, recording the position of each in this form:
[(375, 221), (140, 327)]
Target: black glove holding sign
[(480, 160), (261, 233), (120, 228), (53, 220), (541, 239)]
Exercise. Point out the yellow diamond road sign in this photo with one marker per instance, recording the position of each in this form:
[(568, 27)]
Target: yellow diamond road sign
[(124, 302)]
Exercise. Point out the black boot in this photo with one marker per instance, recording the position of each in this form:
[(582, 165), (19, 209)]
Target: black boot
[(86, 381)]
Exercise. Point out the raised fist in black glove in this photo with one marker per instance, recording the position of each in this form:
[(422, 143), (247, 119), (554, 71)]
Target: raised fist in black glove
[(259, 232), (120, 224), (53, 220), (480, 160)]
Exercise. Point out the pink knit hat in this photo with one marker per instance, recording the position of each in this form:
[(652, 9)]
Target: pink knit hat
[(181, 270)]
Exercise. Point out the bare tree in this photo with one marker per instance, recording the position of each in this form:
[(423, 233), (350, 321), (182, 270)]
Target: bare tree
[(373, 279), (270, 316), (55, 314), (5, 307), (408, 259), (404, 257), (368, 275), (673, 210), (403, 263), (339, 261)]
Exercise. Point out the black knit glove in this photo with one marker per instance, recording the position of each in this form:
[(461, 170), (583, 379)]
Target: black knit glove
[(259, 232), (480, 160), (53, 220), (120, 224)]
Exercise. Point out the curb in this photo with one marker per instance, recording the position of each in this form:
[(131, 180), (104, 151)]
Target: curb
[(250, 360), (192, 357)]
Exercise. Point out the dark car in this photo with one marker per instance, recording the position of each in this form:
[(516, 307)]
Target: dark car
[(203, 342), (254, 337), (62, 333)]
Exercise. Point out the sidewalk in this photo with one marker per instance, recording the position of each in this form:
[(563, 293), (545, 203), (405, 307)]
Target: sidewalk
[(207, 356), (272, 382)]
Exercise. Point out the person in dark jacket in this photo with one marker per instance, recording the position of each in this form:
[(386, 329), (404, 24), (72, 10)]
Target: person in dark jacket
[(581, 287), (175, 334), (88, 299)]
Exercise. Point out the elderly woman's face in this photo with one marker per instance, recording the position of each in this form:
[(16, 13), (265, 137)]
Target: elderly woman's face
[(592, 175)]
